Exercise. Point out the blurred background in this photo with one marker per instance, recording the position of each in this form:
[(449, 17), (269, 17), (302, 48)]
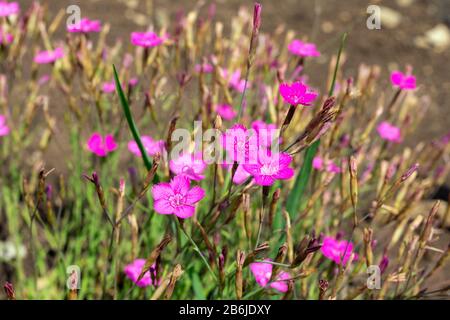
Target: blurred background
[(414, 32)]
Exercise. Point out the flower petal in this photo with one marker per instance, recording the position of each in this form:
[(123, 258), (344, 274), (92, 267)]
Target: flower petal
[(195, 195)]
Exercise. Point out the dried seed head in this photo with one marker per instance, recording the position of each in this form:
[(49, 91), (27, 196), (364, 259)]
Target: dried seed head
[(9, 291), (410, 171), (256, 18)]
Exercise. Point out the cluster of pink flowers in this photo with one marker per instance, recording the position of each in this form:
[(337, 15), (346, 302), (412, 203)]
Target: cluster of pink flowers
[(9, 8), (5, 37), (4, 129), (249, 149), (100, 145), (389, 132), (49, 56), (403, 81), (134, 269), (297, 93), (151, 146), (85, 26), (263, 273), (176, 197), (146, 39), (338, 250), (303, 49), (318, 164)]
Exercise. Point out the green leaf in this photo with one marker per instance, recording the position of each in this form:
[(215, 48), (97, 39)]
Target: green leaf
[(301, 180), (131, 124), (294, 201), (198, 287)]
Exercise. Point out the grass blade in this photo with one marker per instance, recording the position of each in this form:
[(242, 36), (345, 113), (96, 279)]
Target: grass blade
[(131, 124)]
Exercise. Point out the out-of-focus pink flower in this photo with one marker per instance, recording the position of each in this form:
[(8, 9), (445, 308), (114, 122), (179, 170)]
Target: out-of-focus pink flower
[(226, 111), (50, 56), (263, 272), (303, 49), (44, 79), (85, 26), (297, 93), (146, 39), (318, 164), (267, 133), (9, 8), (133, 81), (270, 167), (204, 67), (5, 37), (101, 146), (403, 81), (334, 250), (189, 165), (234, 80), (151, 146), (241, 144), (4, 129), (176, 197), (108, 87), (389, 132), (134, 269)]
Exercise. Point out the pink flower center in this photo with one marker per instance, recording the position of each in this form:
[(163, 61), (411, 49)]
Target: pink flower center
[(269, 169), (176, 200)]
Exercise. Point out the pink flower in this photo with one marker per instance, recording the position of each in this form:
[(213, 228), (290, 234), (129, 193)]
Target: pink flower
[(176, 197), (270, 167), (318, 164), (234, 81), (267, 133), (334, 249), (134, 269), (263, 272), (281, 283), (146, 39), (189, 165), (151, 146), (403, 81), (303, 49), (108, 87), (85, 26), (240, 175), (9, 8), (5, 38), (44, 79), (101, 146), (389, 132), (241, 144), (4, 129), (133, 81), (226, 111), (297, 93), (44, 57), (205, 68)]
